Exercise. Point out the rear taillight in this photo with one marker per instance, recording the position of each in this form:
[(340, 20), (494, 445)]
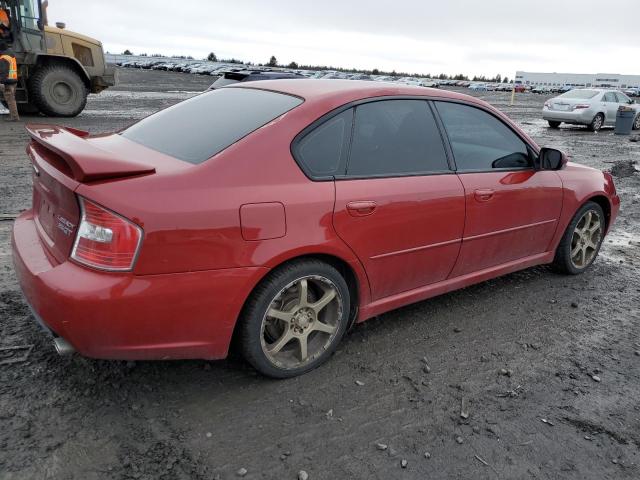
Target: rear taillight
[(105, 240), (547, 104), (581, 107)]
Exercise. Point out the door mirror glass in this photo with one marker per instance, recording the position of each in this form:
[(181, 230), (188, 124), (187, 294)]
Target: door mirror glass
[(551, 159)]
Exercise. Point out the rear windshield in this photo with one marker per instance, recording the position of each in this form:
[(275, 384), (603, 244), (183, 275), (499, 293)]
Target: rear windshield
[(198, 128), (580, 94)]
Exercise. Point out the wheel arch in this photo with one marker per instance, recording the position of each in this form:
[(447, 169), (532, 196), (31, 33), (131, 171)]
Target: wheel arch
[(356, 288), (48, 59)]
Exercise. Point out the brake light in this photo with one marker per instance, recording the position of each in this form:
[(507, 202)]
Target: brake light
[(580, 106), (105, 240)]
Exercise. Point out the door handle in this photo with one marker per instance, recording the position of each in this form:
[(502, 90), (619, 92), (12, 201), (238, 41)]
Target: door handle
[(484, 195), (361, 208)]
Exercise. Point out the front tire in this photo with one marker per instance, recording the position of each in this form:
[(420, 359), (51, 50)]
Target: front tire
[(58, 91), (636, 123), (295, 318), (581, 241), (554, 125), (597, 123)]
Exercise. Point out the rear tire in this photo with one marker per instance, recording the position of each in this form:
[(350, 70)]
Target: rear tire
[(58, 91), (554, 125), (581, 241), (636, 123), (294, 319), (597, 123)]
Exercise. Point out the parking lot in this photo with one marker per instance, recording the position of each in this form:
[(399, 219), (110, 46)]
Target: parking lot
[(532, 375)]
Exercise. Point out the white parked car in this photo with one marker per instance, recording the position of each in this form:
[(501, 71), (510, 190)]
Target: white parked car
[(593, 107)]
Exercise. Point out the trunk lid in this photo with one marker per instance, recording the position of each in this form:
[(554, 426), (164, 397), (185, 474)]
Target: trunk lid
[(62, 159), (567, 104)]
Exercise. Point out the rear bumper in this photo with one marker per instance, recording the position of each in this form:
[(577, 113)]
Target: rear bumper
[(129, 317), (581, 117)]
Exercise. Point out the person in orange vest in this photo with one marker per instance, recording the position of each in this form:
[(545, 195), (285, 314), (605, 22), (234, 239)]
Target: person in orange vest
[(9, 80), (5, 26)]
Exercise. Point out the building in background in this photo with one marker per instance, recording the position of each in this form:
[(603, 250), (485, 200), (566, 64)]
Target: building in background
[(596, 80)]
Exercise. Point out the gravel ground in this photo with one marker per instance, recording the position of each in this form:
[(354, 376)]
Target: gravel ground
[(544, 368)]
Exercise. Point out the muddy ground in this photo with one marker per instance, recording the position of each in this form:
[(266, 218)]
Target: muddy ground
[(565, 406)]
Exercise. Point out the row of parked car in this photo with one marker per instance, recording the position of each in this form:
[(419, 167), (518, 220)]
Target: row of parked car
[(545, 90), (216, 69), (244, 73)]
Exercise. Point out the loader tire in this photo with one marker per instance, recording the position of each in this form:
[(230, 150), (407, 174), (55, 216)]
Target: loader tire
[(58, 91)]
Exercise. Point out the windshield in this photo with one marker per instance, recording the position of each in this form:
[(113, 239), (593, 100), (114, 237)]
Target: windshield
[(197, 129), (580, 94)]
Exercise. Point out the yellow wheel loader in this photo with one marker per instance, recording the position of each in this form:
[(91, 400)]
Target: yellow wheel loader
[(57, 68)]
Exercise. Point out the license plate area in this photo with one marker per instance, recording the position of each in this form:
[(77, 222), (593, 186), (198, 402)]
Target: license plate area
[(46, 216)]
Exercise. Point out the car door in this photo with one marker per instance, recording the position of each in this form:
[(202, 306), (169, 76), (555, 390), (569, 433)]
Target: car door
[(610, 104), (399, 206), (512, 210)]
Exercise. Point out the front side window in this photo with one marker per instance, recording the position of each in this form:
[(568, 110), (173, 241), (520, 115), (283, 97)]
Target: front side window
[(200, 127), (480, 141), (30, 14), (395, 137), (622, 98)]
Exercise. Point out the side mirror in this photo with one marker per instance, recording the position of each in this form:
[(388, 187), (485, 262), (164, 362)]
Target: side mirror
[(551, 159), (631, 102)]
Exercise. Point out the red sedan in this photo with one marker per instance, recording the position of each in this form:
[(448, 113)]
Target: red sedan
[(282, 212)]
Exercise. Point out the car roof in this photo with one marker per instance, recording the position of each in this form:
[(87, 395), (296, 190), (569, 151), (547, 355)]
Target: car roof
[(322, 96), (345, 91)]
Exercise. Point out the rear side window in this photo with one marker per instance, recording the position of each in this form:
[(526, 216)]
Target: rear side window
[(198, 128), (395, 137), (323, 151), (480, 141)]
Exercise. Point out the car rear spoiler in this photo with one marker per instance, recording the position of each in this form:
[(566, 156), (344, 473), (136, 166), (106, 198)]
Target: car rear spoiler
[(86, 161)]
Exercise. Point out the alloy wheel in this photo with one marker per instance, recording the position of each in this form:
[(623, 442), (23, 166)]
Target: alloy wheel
[(636, 124), (597, 123), (586, 239), (301, 322)]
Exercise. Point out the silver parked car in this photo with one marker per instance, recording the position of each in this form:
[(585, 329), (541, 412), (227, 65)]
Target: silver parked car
[(593, 107)]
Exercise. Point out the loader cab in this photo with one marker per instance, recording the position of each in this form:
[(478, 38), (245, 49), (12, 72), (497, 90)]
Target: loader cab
[(25, 25)]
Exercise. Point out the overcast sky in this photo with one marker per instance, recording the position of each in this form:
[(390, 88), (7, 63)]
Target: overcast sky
[(425, 36)]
